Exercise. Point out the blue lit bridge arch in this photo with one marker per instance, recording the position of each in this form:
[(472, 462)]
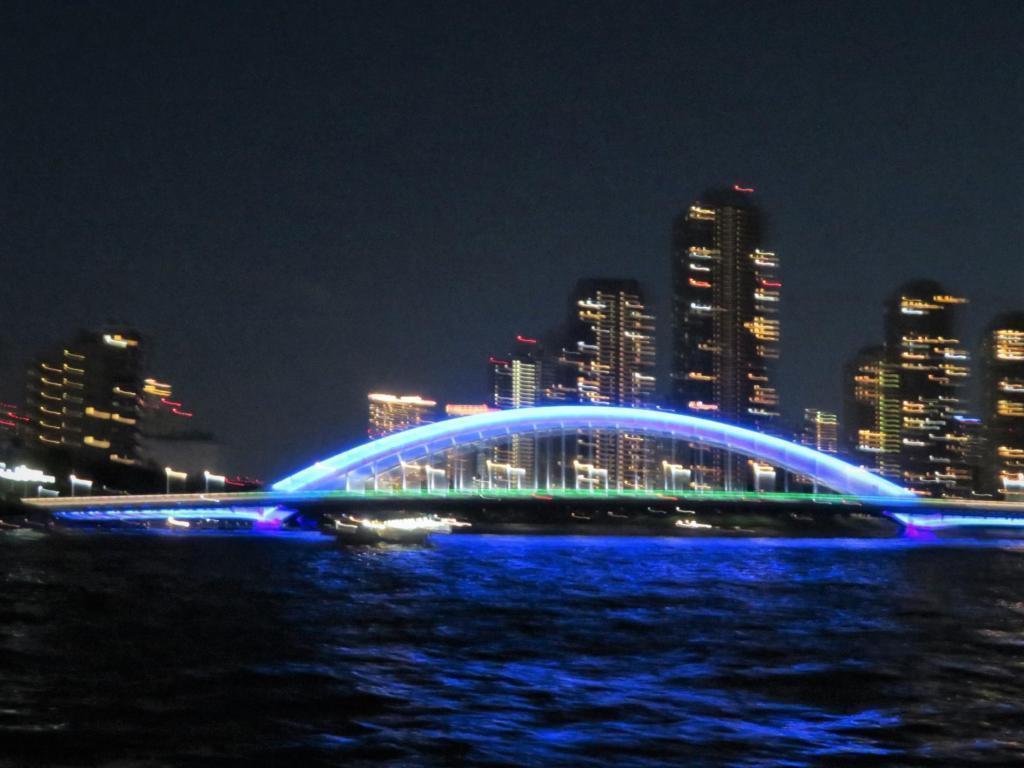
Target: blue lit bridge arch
[(360, 467)]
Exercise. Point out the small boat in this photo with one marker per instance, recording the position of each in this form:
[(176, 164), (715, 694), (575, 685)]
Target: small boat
[(348, 529), (692, 524)]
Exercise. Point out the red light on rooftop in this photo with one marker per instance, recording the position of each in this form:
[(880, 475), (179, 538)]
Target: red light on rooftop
[(526, 340), (738, 188), (771, 284), (177, 412), (496, 361), (165, 401)]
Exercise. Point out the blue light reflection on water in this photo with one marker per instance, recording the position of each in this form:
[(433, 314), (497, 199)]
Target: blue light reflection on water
[(508, 650)]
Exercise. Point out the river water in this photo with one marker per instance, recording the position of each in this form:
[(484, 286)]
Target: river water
[(169, 649)]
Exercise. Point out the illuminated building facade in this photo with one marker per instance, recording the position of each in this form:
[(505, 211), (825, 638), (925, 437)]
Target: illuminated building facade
[(1002, 381), (871, 412), (934, 370), (820, 430), (393, 413), (516, 382), (457, 410), (726, 330), (83, 397), (607, 358)]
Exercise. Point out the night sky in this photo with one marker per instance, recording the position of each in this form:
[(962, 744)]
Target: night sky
[(299, 203)]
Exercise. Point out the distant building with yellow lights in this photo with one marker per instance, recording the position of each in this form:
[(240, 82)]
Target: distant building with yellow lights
[(820, 430), (516, 382), (922, 342), (456, 410), (84, 397), (871, 412), (1002, 383), (604, 355), (726, 324), (393, 413)]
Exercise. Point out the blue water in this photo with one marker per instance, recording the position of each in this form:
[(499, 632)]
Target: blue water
[(211, 650)]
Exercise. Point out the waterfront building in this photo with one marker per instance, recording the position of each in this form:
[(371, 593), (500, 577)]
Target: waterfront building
[(516, 382), (934, 369), (607, 357), (393, 413), (169, 436), (83, 397), (456, 410), (1002, 383), (871, 412), (726, 329), (820, 430)]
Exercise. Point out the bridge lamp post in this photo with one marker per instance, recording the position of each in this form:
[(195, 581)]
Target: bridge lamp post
[(171, 473), (208, 476), (76, 481), (406, 465), (591, 475), (671, 472), (432, 473)]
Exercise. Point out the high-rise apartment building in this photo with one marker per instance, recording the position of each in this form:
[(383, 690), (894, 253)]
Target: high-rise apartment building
[(393, 413), (516, 377), (1002, 382), (516, 382), (934, 369), (607, 358), (83, 397), (871, 412), (726, 330)]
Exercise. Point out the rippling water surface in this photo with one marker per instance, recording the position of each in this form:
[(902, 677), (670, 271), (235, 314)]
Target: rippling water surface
[(214, 650)]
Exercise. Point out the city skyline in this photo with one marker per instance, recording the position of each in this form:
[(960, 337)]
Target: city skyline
[(460, 383), (278, 274)]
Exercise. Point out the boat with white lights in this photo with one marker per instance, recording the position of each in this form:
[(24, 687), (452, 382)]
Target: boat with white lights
[(693, 524), (351, 529)]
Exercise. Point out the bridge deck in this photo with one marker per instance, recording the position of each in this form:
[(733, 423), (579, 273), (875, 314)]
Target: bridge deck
[(306, 499)]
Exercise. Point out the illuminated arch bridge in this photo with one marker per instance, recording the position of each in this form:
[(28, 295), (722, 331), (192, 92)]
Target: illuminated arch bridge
[(458, 454)]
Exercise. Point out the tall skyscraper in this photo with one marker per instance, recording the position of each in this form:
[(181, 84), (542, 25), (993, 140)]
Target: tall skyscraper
[(393, 413), (83, 397), (934, 369), (607, 358), (1002, 382), (516, 382), (726, 329), (871, 412)]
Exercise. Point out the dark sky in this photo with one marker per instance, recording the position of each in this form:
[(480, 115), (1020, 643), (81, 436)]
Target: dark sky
[(303, 202)]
